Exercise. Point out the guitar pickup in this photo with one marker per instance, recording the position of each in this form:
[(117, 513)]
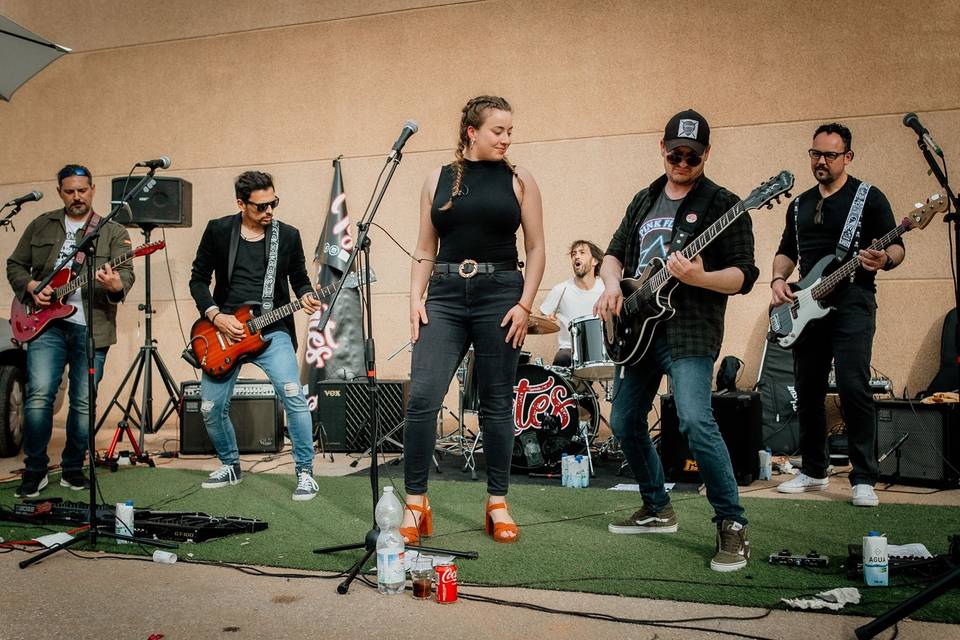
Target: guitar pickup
[(223, 345)]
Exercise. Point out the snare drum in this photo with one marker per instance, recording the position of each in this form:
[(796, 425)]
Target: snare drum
[(590, 360), (548, 409)]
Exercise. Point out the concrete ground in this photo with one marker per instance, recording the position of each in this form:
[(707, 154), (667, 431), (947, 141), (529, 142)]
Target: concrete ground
[(71, 596)]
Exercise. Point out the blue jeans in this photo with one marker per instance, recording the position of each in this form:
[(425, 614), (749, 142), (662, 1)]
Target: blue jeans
[(63, 343), (461, 312), (633, 396), (279, 362)]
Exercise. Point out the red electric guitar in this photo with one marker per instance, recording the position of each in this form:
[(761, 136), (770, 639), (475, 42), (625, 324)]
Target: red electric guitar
[(28, 321)]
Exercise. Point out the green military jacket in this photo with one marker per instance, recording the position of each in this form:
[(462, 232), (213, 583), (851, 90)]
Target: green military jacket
[(36, 255)]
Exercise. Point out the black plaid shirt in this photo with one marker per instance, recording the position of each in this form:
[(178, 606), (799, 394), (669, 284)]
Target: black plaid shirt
[(697, 327)]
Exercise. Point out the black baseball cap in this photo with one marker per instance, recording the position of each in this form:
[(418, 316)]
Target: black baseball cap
[(687, 129)]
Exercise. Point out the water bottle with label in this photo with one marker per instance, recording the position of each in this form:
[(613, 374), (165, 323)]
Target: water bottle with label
[(123, 521), (391, 575), (565, 470), (875, 564)]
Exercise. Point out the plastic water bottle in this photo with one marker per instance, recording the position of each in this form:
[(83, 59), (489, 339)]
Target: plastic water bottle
[(766, 464), (875, 569), (565, 470), (391, 575), (580, 472), (123, 523)]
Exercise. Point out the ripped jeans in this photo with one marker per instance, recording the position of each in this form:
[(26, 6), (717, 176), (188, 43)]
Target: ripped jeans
[(279, 362)]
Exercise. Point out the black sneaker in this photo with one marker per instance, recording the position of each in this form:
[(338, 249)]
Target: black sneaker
[(74, 479), (306, 487), (227, 475), (31, 485), (733, 548), (647, 521)]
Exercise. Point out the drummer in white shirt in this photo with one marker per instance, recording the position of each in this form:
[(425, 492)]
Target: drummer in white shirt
[(575, 297)]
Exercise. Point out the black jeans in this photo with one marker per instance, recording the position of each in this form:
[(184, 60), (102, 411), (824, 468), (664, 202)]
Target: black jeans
[(844, 337), (461, 312)]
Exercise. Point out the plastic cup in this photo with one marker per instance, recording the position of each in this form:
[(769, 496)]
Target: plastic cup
[(421, 573)]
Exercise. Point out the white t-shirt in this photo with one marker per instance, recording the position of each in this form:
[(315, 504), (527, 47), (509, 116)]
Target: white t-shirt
[(574, 303), (72, 227)]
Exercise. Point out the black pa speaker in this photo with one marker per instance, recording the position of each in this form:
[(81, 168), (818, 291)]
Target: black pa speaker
[(930, 455), (738, 415), (162, 202), (343, 410), (255, 411)]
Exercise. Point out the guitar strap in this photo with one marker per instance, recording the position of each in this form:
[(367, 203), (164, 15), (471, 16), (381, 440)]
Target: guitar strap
[(79, 258), (270, 277), (691, 215), (851, 228)]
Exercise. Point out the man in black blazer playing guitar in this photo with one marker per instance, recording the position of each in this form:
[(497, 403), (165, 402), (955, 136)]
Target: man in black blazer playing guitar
[(253, 257), (840, 216), (674, 208)]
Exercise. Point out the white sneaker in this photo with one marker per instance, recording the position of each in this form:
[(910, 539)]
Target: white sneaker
[(864, 496), (802, 483), (306, 487)]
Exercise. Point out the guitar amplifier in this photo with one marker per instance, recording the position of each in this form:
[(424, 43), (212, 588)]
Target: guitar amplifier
[(255, 411), (738, 414), (343, 410), (930, 455)]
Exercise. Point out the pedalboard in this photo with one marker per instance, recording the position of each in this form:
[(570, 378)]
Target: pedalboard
[(812, 559)]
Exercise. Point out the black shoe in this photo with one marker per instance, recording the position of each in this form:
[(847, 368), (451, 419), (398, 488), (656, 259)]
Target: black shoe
[(74, 479), (31, 484), (647, 521)]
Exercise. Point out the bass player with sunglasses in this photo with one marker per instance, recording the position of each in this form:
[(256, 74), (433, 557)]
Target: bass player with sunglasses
[(255, 258), (658, 222)]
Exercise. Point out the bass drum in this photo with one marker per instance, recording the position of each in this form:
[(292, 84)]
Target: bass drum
[(467, 375), (548, 409)]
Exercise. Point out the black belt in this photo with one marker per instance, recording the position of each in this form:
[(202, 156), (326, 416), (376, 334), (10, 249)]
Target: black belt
[(470, 268)]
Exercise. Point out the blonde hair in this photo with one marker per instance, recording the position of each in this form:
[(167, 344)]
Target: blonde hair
[(473, 115)]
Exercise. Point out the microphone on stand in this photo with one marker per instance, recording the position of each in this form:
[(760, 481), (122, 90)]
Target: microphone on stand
[(913, 122), (163, 162), (33, 196), (410, 127)]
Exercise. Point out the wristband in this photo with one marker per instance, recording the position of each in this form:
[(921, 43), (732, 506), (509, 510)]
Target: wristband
[(889, 264), (215, 316), (777, 278), (519, 304)]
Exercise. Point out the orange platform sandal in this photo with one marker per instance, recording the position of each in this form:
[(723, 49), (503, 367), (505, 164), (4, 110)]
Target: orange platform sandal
[(424, 527), (498, 530)]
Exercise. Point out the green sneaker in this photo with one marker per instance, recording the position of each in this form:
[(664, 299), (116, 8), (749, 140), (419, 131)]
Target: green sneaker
[(647, 521), (733, 548)]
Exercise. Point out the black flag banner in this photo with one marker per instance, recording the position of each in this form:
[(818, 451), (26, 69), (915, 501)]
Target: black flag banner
[(336, 353)]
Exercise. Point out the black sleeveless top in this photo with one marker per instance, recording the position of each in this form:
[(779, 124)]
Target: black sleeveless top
[(482, 223)]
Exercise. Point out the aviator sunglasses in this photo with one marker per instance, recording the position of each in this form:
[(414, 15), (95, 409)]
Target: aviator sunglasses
[(691, 159)]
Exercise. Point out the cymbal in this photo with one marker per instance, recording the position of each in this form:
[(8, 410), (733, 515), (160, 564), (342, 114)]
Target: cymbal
[(538, 325)]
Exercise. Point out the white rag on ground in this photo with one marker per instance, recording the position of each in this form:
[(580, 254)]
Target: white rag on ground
[(834, 599)]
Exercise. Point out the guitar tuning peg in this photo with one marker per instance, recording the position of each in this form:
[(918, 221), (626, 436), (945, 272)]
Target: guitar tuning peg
[(769, 205), (788, 194)]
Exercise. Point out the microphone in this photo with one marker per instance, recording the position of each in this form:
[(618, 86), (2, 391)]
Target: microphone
[(913, 122), (33, 196), (163, 162), (409, 128)]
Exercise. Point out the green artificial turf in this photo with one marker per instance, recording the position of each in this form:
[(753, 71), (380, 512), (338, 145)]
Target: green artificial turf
[(564, 543)]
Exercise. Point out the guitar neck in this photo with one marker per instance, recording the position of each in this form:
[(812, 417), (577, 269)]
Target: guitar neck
[(278, 314), (81, 280), (699, 243), (830, 282)]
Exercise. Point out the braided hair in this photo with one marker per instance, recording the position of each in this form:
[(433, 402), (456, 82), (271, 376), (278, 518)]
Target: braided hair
[(473, 115)]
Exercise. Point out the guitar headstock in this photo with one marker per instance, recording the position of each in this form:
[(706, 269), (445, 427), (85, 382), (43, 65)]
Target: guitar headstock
[(922, 214), (147, 249), (772, 189)]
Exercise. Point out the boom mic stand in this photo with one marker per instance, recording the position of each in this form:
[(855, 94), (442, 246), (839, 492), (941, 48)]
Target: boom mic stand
[(369, 348), (142, 367), (88, 246)]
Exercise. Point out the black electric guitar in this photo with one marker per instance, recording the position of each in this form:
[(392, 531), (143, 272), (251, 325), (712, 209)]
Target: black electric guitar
[(646, 300), (788, 320)]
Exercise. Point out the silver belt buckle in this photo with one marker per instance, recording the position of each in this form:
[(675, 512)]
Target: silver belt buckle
[(462, 269)]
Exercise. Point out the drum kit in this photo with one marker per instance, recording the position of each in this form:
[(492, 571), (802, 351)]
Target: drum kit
[(556, 410)]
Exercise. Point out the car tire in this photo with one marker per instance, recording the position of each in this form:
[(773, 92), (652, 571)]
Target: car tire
[(12, 394)]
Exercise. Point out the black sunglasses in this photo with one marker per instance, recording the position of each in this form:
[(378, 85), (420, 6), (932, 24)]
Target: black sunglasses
[(262, 206), (691, 159)]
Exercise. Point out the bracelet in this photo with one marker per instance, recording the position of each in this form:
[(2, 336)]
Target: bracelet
[(777, 278), (215, 316), (889, 264), (519, 304)]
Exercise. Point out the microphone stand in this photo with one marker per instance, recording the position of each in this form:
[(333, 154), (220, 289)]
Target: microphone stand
[(9, 219), (87, 245), (369, 348)]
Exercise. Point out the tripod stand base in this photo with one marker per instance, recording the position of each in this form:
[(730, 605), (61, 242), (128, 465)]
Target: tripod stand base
[(88, 536)]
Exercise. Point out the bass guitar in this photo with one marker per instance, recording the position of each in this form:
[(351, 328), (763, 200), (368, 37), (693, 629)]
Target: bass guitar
[(788, 320), (28, 321), (646, 300)]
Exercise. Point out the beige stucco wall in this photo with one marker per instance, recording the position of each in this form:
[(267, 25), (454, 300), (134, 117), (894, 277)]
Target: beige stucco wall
[(287, 86)]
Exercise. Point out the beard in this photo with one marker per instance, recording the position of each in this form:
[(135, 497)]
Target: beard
[(580, 270)]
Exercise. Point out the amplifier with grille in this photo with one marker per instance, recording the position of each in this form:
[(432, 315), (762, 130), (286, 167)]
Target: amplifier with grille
[(343, 411), (930, 454), (738, 414), (255, 411)]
